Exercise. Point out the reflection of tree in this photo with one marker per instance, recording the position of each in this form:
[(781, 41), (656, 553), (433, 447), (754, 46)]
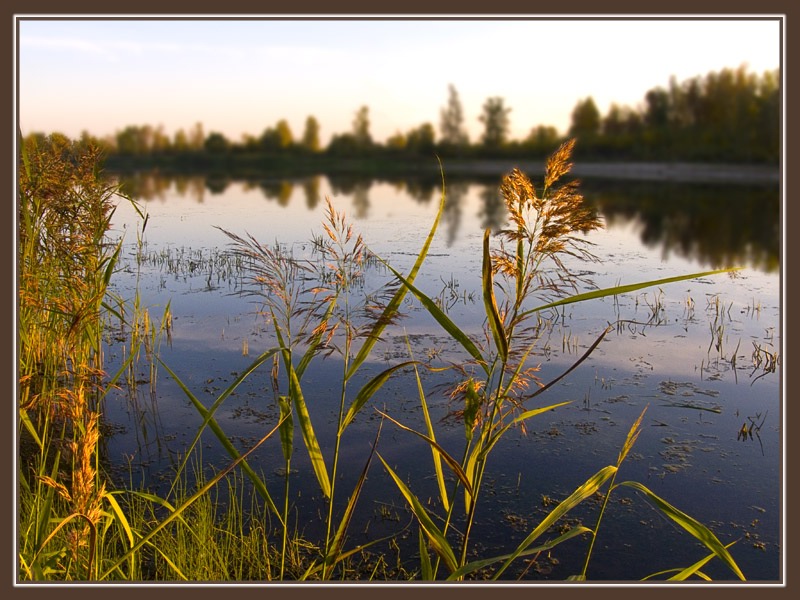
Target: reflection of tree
[(217, 184), (193, 186), (311, 189), (346, 184), (717, 226), (145, 186), (493, 213), (280, 190), (361, 199), (453, 209), (421, 189)]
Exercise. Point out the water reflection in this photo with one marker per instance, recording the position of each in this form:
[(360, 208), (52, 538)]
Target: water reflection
[(714, 225)]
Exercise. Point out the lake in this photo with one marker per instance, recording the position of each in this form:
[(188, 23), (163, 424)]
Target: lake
[(698, 354)]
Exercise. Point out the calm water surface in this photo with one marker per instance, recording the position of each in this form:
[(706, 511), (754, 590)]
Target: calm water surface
[(690, 358)]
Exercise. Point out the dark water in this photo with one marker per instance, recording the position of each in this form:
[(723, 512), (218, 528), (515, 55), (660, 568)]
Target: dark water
[(692, 361)]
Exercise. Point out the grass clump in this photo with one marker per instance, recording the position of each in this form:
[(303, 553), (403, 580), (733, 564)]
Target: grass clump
[(65, 264)]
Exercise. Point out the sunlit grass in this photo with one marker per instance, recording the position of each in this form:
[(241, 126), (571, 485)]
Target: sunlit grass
[(74, 526)]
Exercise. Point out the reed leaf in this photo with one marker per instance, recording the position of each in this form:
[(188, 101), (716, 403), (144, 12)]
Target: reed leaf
[(394, 304), (307, 429), (490, 302), (424, 558), (694, 527), (624, 289), (483, 451), (437, 461), (434, 535), (287, 427), (574, 365), (473, 566), (303, 417), (684, 574), (333, 554), (369, 390), (447, 324), (209, 420), (583, 492), (451, 462)]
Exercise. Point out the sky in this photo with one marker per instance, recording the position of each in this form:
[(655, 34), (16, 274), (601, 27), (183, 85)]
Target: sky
[(241, 76)]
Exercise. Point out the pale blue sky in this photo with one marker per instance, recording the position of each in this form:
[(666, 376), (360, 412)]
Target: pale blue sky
[(242, 76)]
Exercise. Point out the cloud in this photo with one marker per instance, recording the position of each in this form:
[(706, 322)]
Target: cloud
[(117, 50)]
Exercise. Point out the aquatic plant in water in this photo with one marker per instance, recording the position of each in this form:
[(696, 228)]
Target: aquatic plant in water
[(318, 308)]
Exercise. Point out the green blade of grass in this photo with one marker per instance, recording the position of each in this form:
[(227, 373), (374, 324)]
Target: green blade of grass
[(287, 427), (424, 558), (303, 417), (307, 429), (226, 443), (369, 390), (583, 492), (490, 302), (694, 527), (623, 289), (684, 574), (447, 324), (334, 552), (208, 414), (437, 460), (178, 512), (394, 304), (434, 535), (485, 562), (451, 462)]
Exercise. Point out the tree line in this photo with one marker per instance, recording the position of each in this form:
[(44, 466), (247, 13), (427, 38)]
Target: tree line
[(728, 116)]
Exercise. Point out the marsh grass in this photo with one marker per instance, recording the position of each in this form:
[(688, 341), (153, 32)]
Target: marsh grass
[(499, 384), (65, 264), (72, 527)]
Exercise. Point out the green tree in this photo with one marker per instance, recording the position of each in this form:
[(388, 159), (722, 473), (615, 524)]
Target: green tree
[(363, 137), (216, 143), (285, 138), (160, 141), (133, 141), (180, 141), (542, 138), (343, 144), (495, 122), (196, 137), (276, 139), (585, 120), (310, 140), (397, 142), (421, 140), (451, 124)]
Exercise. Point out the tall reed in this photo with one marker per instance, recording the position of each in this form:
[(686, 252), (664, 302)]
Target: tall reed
[(65, 263), (499, 384), (72, 527)]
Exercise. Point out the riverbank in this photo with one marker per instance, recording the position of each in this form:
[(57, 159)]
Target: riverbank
[(641, 171), (250, 167)]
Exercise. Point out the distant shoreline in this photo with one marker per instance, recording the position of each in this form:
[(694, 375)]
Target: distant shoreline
[(640, 171), (680, 172)]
